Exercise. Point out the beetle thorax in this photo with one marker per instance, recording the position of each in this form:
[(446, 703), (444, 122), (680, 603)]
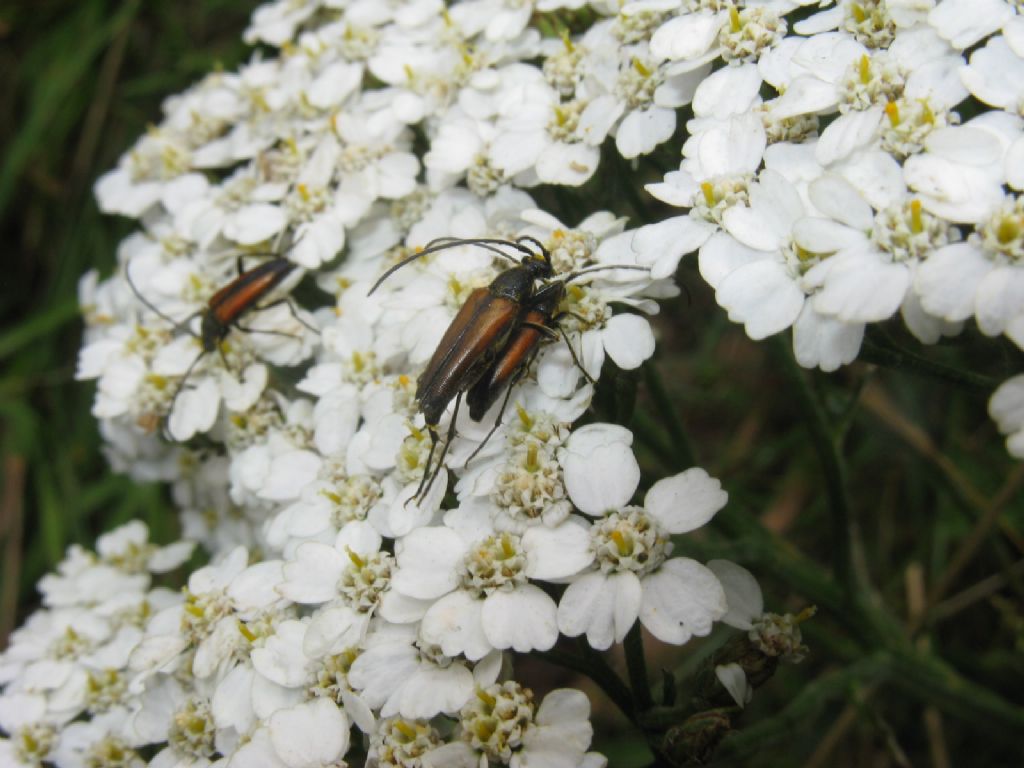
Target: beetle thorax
[(515, 283)]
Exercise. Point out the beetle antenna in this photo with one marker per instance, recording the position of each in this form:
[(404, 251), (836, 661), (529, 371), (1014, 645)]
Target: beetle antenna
[(177, 325), (177, 391), (602, 268), (443, 243), (540, 246)]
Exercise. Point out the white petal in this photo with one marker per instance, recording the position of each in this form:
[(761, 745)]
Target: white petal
[(1015, 164), (604, 478), (947, 280), (20, 709), (1006, 406), (742, 593), (254, 223), (194, 411), (685, 501), (598, 118), (804, 95), (836, 198), (736, 147), (381, 669), (555, 553), (525, 619), (686, 37), (762, 296), (846, 134), (681, 599), (257, 752), (310, 735), (863, 290), (825, 342), (629, 341), (661, 245), (602, 606), (313, 576), (289, 474), (232, 701), (255, 588), (563, 706), (965, 22), (332, 629), (1000, 298), (568, 164), (453, 623), (824, 236), (877, 176), (734, 680), (642, 131), (281, 659), (427, 561), (722, 254), (432, 690), (729, 91)]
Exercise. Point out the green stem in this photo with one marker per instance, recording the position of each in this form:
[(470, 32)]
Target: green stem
[(667, 411), (827, 448), (882, 352), (636, 664)]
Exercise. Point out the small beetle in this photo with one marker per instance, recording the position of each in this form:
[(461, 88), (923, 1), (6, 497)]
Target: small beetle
[(226, 308), (490, 342)]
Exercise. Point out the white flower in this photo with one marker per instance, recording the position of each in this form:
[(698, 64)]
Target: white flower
[(634, 98), (870, 257), (754, 268), (996, 71), (983, 276), (503, 725), (674, 598), (537, 136), (960, 175), (309, 735), (1006, 407), (475, 583), (352, 578), (399, 675), (966, 22)]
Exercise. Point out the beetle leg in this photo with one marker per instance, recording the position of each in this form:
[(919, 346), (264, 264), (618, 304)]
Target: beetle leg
[(576, 359), (434, 439), (266, 332), (174, 399), (291, 308), (501, 412), (540, 328)]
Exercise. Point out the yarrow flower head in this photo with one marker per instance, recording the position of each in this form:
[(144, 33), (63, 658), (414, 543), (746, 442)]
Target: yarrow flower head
[(327, 335)]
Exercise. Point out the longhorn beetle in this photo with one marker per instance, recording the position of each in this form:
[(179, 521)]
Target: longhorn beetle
[(491, 340), (226, 308)]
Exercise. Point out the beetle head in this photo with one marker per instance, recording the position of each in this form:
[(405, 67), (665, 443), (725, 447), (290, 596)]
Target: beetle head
[(211, 331)]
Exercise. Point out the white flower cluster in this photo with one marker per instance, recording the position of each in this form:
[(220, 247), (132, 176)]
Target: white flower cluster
[(828, 183)]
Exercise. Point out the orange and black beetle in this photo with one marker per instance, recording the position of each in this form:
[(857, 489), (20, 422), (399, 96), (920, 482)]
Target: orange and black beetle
[(226, 307), (492, 340), (476, 337)]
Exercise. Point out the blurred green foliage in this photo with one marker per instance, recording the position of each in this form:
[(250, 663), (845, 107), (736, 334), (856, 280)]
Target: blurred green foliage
[(882, 493), (79, 81)]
